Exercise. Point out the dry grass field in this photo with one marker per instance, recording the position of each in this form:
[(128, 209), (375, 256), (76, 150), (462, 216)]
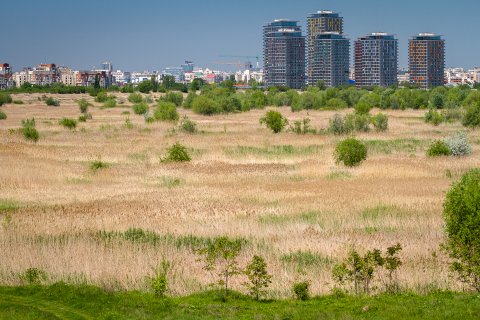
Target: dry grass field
[(283, 193)]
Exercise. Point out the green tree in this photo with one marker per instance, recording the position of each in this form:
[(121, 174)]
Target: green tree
[(220, 257), (274, 120), (258, 276), (351, 152), (166, 111), (462, 219)]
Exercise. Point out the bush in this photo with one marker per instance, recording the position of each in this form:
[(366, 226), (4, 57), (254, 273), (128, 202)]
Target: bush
[(274, 120), (380, 122), (336, 104), (188, 101), (458, 144), (462, 218), (98, 165), (472, 116), (135, 98), (302, 127), (158, 282), (439, 148), (5, 98), (434, 117), (188, 125), (110, 103), (357, 122), (351, 152), (206, 106), (302, 290), (337, 125), (83, 104), (18, 102), (68, 123), (33, 276), (140, 108), (177, 153), (3, 116), (29, 131), (101, 97), (174, 97), (257, 274), (52, 102), (82, 118), (166, 111)]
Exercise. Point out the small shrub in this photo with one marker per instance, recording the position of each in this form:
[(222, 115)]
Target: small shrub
[(3, 116), (357, 122), (68, 123), (33, 276), (358, 270), (52, 102), (302, 126), (82, 118), (140, 108), (177, 153), (18, 102), (452, 115), (274, 120), (101, 97), (135, 98), (439, 148), (110, 103), (380, 122), (158, 283), (166, 111), (459, 145), (462, 219), (256, 272), (128, 124), (98, 165), (434, 117), (5, 98), (472, 116), (173, 97), (302, 290), (206, 106), (83, 104), (188, 125), (29, 131), (187, 103), (351, 152), (337, 125)]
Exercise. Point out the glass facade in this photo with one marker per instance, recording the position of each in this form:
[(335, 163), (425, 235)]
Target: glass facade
[(284, 54), (376, 60), (427, 60), (330, 60), (318, 23)]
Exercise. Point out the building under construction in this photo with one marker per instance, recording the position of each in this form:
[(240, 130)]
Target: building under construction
[(427, 60), (284, 54)]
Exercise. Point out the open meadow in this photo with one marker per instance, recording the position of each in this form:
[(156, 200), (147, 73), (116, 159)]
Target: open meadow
[(282, 193)]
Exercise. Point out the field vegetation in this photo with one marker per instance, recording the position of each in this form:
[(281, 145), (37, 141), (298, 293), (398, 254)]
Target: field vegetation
[(254, 184)]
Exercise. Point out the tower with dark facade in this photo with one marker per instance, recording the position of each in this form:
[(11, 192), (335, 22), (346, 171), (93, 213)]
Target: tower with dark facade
[(376, 60), (330, 60), (284, 54)]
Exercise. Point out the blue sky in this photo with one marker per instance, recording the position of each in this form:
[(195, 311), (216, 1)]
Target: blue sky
[(141, 34)]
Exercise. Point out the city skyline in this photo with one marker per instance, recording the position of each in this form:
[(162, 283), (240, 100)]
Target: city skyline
[(152, 36)]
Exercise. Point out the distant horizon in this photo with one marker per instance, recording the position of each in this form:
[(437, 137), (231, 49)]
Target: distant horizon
[(153, 36)]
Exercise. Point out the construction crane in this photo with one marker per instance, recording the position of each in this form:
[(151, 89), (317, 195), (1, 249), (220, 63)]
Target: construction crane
[(244, 57), (239, 64)]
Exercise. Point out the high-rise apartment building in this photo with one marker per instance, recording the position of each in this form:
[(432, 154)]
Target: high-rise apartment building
[(376, 60), (318, 23), (330, 60), (284, 54), (427, 60)]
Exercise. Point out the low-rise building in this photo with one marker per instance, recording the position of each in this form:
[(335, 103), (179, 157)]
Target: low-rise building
[(6, 76)]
